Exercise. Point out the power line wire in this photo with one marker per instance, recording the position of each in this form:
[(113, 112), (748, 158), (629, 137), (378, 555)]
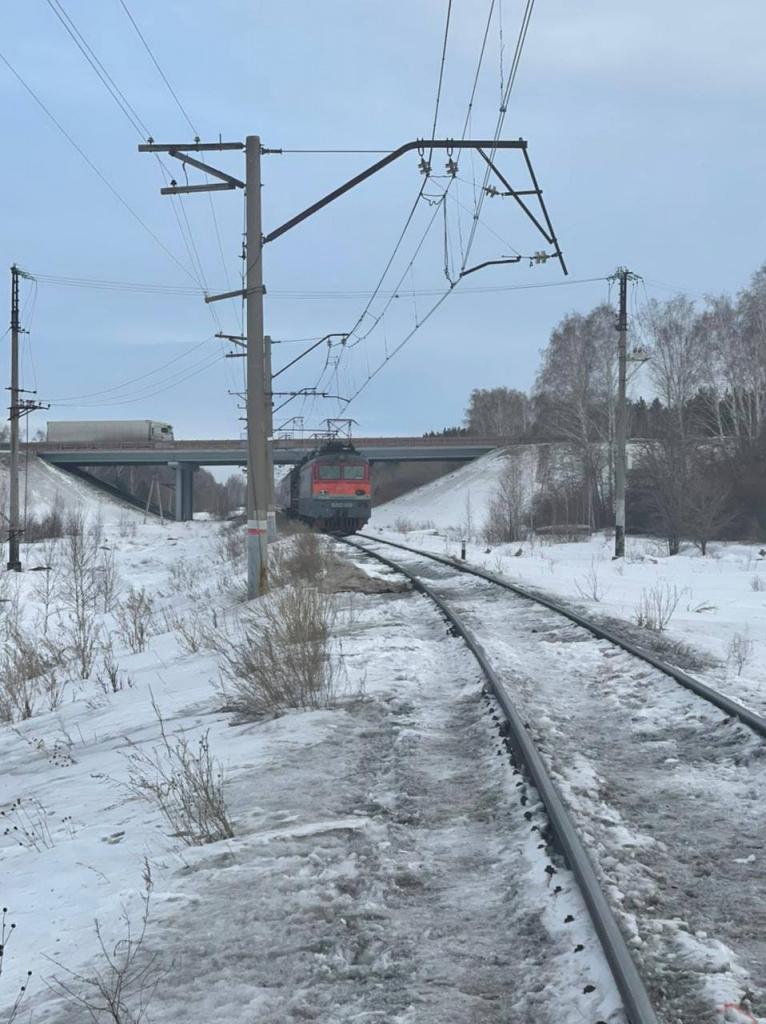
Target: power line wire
[(200, 367), (120, 286), (93, 167), (441, 75), (133, 380), (419, 195), (183, 291), (140, 127), (421, 191), (157, 65), (521, 39), (399, 347), (184, 112), (87, 52)]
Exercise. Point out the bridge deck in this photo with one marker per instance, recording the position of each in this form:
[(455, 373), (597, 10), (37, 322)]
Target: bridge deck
[(234, 452)]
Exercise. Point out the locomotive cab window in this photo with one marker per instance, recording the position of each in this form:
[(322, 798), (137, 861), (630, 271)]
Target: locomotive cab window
[(329, 472), (353, 472)]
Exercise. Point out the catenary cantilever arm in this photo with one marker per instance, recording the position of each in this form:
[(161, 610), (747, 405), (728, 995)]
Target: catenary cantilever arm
[(406, 148)]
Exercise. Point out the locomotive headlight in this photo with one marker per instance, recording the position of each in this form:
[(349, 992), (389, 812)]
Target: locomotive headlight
[(359, 493), (324, 493)]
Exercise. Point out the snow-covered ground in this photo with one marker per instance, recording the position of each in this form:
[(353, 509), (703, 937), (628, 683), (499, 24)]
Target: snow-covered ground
[(381, 868), (385, 863), (718, 601), (662, 787)]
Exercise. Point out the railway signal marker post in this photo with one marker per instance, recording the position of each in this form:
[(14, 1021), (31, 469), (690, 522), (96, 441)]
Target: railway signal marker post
[(259, 388)]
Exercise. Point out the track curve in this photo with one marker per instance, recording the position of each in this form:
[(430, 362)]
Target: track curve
[(731, 707), (637, 1003)]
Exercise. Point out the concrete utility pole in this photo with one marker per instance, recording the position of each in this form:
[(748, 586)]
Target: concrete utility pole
[(18, 407), (14, 527), (269, 413), (258, 489), (620, 463), (259, 388)]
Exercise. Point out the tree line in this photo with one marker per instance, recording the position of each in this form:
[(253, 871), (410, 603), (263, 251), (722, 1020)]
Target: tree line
[(697, 450), (217, 499)]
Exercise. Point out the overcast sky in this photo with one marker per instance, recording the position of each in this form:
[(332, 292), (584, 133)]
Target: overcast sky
[(645, 129)]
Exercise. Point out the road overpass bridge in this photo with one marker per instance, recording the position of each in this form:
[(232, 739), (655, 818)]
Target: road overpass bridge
[(184, 457)]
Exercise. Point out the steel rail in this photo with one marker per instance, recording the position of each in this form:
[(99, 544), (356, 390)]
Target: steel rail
[(731, 707), (635, 998)]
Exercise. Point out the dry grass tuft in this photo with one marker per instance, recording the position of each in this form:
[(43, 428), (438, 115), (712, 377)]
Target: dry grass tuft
[(185, 782), (279, 658)]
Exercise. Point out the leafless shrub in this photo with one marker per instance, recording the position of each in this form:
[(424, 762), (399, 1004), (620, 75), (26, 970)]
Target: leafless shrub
[(509, 511), (740, 650), (135, 619), (184, 783), (192, 634), (404, 525), (467, 527), (10, 603), (231, 543), (52, 687), (26, 823), (680, 653), (59, 754), (46, 583), (126, 525), (280, 659), (591, 588), (27, 675), (123, 985), (757, 583), (6, 931), (110, 678), (564, 533), (108, 579), (49, 525), (656, 606), (309, 558), (94, 528), (185, 576), (80, 590)]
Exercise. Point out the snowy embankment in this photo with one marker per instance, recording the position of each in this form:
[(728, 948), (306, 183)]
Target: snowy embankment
[(715, 604), (369, 860)]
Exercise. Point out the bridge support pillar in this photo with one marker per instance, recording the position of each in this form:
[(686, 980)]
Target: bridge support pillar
[(184, 491)]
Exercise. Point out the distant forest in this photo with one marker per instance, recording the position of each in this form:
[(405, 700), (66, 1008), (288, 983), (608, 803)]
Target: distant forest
[(218, 499), (698, 445)]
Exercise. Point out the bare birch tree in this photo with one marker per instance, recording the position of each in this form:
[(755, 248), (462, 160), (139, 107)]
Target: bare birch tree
[(497, 412), (676, 366)]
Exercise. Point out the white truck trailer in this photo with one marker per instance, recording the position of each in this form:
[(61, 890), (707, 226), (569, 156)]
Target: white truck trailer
[(106, 431)]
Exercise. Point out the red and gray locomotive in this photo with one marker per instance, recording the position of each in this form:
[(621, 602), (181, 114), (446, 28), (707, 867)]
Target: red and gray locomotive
[(329, 489)]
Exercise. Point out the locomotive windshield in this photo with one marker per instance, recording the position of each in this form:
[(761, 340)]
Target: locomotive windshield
[(353, 472), (329, 472)]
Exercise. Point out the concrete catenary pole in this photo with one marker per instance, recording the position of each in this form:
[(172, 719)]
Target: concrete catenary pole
[(620, 467), (14, 526), (257, 448), (269, 402)]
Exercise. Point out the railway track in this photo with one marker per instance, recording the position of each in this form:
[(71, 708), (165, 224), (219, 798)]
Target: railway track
[(673, 841)]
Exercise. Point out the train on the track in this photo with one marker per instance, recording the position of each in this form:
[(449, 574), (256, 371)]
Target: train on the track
[(328, 489)]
